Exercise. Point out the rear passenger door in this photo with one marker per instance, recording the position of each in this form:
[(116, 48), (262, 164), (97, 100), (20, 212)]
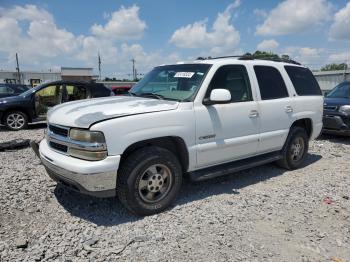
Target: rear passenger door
[(275, 108)]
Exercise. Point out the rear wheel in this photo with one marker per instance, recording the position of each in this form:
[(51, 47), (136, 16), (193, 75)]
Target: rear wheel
[(16, 120), (149, 180), (295, 149)]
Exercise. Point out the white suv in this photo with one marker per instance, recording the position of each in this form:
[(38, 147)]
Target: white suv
[(203, 119)]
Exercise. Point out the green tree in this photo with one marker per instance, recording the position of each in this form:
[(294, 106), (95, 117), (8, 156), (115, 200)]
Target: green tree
[(267, 55), (334, 67)]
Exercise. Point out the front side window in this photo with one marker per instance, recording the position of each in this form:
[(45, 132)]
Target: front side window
[(303, 81), (47, 97), (340, 91), (271, 83), (233, 78), (173, 82)]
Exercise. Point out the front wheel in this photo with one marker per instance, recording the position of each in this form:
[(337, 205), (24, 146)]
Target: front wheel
[(149, 180), (16, 120), (295, 149)]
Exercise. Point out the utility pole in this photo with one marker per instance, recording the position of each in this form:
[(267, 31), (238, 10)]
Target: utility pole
[(99, 65), (344, 76), (17, 68), (133, 68)]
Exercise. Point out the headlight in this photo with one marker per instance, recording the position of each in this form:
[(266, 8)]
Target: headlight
[(86, 136), (92, 142), (345, 109)]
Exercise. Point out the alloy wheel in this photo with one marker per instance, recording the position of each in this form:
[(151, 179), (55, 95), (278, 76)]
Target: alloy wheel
[(155, 183), (15, 120), (297, 149)]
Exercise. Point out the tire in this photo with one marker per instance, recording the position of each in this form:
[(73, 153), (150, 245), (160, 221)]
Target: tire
[(15, 120), (295, 149), (149, 180)]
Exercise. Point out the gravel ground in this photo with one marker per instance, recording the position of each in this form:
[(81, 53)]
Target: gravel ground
[(262, 214)]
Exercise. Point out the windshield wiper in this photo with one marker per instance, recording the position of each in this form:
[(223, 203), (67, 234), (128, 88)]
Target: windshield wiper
[(160, 97)]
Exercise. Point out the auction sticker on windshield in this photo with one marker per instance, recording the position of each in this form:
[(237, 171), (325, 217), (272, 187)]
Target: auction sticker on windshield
[(184, 74)]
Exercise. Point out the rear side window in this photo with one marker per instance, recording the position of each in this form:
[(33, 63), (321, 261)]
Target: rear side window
[(303, 80), (270, 82)]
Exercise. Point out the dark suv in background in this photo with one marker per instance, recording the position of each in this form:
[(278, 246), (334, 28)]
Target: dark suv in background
[(32, 105), (336, 116)]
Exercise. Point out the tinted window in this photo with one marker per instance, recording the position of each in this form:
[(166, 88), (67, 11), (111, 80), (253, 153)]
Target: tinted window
[(303, 80), (235, 79), (270, 82)]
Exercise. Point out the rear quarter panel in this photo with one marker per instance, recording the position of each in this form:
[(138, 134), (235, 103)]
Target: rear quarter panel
[(310, 107)]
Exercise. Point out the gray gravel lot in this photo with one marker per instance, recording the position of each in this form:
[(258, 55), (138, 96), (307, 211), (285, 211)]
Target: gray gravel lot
[(262, 214)]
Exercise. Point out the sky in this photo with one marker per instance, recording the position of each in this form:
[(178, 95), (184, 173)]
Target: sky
[(50, 34)]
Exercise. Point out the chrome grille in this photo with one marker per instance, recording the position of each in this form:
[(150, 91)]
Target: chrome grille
[(62, 131), (59, 140), (59, 147)]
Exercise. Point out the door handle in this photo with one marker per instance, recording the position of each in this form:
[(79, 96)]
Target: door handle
[(288, 109), (253, 114)]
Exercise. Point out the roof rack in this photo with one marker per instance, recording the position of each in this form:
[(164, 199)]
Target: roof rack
[(252, 57), (219, 57)]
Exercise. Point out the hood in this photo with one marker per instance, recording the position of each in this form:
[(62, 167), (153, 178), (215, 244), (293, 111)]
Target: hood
[(328, 101), (85, 113), (12, 99)]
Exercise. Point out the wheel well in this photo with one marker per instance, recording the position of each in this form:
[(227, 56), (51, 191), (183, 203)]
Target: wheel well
[(15, 109), (305, 123), (174, 144)]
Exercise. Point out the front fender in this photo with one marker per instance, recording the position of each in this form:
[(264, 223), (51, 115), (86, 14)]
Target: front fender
[(120, 133)]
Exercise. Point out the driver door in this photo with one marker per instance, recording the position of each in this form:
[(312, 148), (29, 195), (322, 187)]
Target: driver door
[(230, 131), (47, 98)]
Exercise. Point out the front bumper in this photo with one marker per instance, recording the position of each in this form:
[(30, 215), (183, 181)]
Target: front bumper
[(96, 178), (336, 124)]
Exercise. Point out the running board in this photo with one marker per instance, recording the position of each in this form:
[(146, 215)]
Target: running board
[(232, 167)]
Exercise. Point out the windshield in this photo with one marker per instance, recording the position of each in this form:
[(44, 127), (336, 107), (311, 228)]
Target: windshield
[(340, 91), (173, 82)]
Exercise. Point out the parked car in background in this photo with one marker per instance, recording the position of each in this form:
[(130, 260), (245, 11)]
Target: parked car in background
[(7, 90), (121, 90), (32, 105), (336, 110), (202, 119)]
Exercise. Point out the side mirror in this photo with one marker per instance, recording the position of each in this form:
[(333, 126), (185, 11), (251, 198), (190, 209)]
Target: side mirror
[(326, 93), (218, 96)]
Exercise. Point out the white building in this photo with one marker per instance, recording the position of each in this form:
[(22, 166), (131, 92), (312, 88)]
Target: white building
[(329, 79), (34, 78)]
